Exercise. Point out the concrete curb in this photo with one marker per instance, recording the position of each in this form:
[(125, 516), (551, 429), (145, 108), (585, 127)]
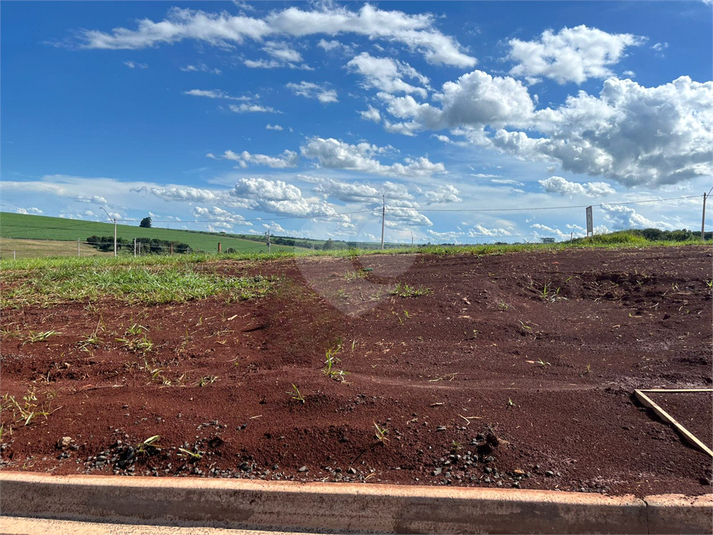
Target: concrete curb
[(343, 507)]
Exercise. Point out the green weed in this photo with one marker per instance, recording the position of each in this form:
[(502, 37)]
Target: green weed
[(192, 455), (91, 340), (296, 395), (404, 290), (207, 380), (39, 336), (330, 365), (149, 445), (381, 433), (28, 410)]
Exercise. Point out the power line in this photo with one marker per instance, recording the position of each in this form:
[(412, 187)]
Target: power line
[(549, 207)]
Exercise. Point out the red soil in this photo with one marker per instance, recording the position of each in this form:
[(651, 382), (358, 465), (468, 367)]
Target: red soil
[(487, 380)]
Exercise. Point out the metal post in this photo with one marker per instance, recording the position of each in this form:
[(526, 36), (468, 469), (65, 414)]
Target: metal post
[(79, 252), (13, 255), (383, 219), (110, 219), (268, 241), (703, 221), (134, 247)]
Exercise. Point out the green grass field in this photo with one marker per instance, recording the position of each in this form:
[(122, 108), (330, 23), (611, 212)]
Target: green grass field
[(32, 227)]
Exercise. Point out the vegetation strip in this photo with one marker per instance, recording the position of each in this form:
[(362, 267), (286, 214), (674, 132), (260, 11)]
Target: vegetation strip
[(149, 283)]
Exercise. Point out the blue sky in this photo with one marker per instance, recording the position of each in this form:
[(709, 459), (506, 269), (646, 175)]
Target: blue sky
[(469, 117)]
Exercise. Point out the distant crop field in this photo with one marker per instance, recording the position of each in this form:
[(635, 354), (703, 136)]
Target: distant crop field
[(31, 227), (13, 248)]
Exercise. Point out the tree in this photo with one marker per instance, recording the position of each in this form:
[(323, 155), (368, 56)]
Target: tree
[(328, 245), (145, 222)]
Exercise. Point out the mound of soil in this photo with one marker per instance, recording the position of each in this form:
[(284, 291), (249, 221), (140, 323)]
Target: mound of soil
[(513, 370)]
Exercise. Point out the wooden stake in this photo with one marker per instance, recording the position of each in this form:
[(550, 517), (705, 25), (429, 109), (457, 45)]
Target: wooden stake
[(666, 417)]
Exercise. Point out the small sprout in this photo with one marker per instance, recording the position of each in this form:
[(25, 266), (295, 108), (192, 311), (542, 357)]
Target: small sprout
[(543, 363), (404, 290), (296, 395), (709, 283), (149, 443), (381, 433), (456, 446), (511, 403), (207, 380), (193, 455), (330, 369), (136, 329), (545, 291), (39, 336), (29, 409)]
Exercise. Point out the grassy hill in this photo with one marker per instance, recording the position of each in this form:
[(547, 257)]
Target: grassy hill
[(34, 227)]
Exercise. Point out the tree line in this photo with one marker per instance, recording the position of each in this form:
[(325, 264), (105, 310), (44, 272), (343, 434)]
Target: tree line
[(148, 245)]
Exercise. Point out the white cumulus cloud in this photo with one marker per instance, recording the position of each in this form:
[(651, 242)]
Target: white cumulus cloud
[(335, 154), (444, 194), (287, 159), (557, 184), (252, 108), (570, 55), (636, 135), (476, 99), (417, 32), (312, 90), (624, 217), (372, 114), (29, 211), (386, 74)]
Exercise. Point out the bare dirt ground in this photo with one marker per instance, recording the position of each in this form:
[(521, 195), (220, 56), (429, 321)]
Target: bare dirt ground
[(513, 370)]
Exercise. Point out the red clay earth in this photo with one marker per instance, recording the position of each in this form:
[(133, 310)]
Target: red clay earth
[(489, 379)]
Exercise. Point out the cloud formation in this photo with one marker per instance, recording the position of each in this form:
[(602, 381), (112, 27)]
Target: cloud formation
[(214, 93), (557, 184), (570, 55), (624, 217), (287, 159), (636, 135), (474, 100), (386, 74), (335, 154), (445, 193), (312, 90), (417, 32)]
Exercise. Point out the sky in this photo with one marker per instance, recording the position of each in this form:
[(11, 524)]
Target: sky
[(473, 122)]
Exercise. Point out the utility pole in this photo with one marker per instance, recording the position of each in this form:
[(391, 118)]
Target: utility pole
[(114, 219), (79, 252), (134, 247), (703, 221), (267, 235), (383, 219)]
